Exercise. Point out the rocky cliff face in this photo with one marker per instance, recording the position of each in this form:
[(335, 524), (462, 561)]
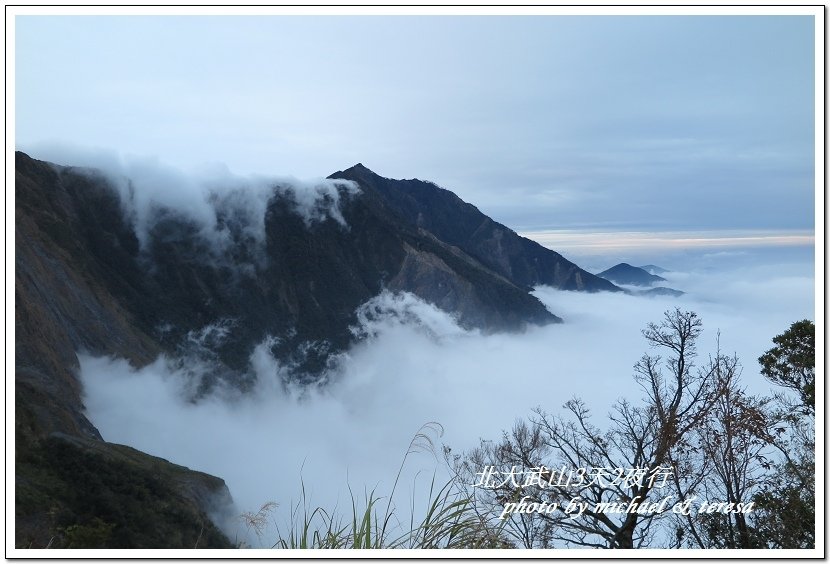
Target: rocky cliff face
[(93, 275), (72, 277), (301, 284)]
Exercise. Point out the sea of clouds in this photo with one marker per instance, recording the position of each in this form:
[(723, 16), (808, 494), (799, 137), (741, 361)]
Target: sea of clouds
[(416, 365), (412, 364)]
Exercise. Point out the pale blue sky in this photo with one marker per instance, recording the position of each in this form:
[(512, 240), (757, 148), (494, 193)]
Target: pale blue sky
[(632, 122)]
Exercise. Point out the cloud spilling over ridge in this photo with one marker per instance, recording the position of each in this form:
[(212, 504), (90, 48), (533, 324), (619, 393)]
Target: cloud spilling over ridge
[(415, 365), (226, 208), (389, 310)]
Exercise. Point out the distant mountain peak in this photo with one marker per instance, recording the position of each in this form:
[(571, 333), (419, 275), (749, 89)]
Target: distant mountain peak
[(624, 273), (654, 269)]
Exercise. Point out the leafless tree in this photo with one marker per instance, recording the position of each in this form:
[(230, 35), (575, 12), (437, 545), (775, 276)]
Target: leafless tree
[(727, 459), (619, 509)]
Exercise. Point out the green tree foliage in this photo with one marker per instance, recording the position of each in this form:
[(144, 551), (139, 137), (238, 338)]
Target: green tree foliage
[(791, 363), (786, 499)]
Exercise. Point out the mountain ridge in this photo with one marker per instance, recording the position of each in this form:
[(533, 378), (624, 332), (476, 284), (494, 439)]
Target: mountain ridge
[(493, 244), (87, 280)]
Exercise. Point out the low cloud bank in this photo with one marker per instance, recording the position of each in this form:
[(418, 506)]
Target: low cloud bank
[(415, 365), (227, 208)]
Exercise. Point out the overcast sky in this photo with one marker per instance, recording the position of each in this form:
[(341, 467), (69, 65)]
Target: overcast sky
[(599, 123)]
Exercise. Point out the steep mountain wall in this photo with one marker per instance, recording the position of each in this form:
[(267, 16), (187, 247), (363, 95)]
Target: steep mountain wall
[(99, 271), (72, 489)]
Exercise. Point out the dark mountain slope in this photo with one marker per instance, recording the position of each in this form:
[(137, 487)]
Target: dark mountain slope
[(68, 298), (312, 279), (458, 223), (87, 280), (84, 281), (63, 297), (326, 271)]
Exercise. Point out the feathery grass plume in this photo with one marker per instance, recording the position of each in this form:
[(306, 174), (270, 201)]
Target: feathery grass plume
[(450, 520), (257, 522)]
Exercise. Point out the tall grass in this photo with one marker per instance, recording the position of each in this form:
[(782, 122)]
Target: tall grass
[(448, 521)]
